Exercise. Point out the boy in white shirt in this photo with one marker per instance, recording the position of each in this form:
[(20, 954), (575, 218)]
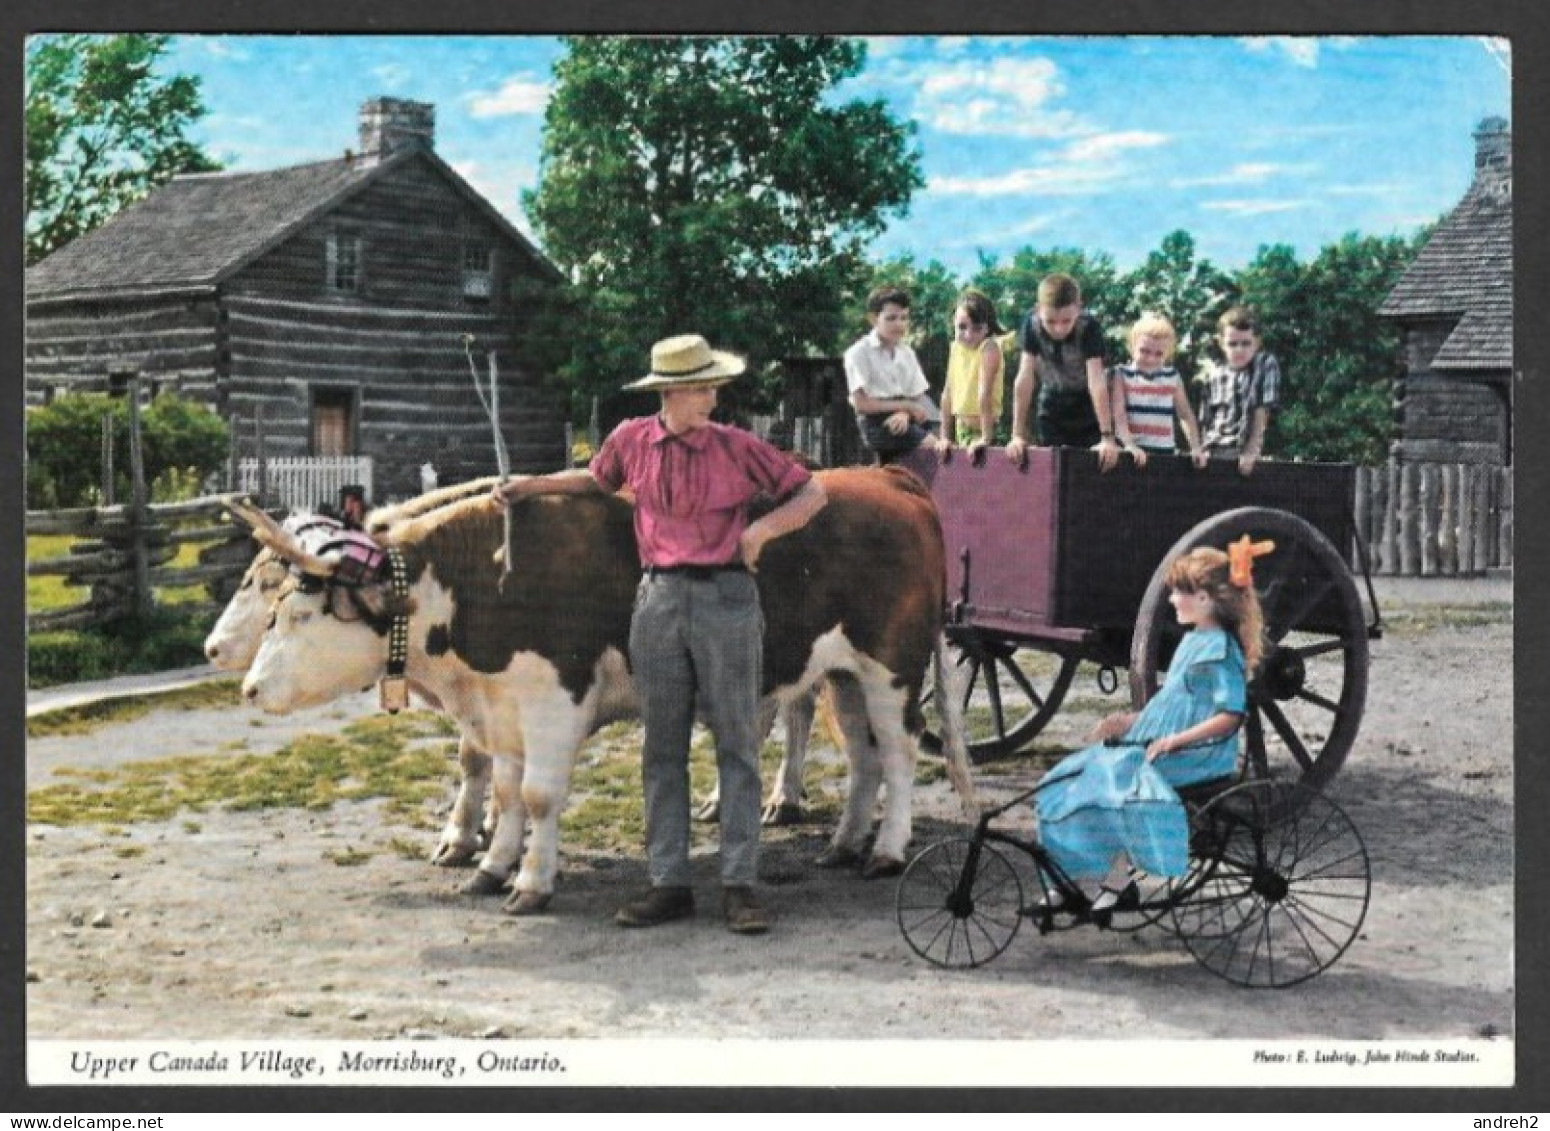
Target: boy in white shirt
[(887, 387)]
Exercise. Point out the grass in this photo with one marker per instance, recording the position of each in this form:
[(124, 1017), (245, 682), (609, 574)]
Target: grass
[(110, 712), (1416, 620), (380, 757)]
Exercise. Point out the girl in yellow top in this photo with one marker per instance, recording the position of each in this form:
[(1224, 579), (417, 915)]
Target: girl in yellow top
[(971, 398)]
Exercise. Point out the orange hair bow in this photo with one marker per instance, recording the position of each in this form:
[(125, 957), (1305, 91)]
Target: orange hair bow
[(1240, 559)]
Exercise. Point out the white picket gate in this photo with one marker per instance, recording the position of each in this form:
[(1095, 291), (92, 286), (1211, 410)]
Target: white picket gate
[(306, 481)]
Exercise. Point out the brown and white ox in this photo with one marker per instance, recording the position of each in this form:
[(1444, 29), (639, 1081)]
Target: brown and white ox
[(238, 631), (532, 666)]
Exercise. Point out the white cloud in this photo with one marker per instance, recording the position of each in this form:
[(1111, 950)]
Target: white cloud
[(392, 74), (1254, 207), (1246, 173), (518, 95), (1010, 97), (220, 47), (501, 184), (1302, 50), (1088, 165)]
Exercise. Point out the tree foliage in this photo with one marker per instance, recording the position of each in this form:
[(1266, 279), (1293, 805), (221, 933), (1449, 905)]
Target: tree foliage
[(713, 184), (103, 129), (180, 440), (1188, 291)]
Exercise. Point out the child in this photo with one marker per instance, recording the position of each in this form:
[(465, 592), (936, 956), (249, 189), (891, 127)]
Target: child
[(1153, 394), (1242, 393), (887, 387), (1063, 363), (1112, 806), (971, 396)]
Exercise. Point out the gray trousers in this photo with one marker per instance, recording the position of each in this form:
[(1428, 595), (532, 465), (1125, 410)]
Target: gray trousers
[(698, 645)]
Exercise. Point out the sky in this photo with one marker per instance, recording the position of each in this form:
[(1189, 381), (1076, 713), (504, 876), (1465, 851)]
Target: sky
[(1102, 143)]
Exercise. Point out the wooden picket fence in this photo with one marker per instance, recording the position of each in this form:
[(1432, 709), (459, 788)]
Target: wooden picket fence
[(303, 481), (1436, 519)]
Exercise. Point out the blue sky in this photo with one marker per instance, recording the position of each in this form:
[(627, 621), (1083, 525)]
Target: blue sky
[(1103, 143)]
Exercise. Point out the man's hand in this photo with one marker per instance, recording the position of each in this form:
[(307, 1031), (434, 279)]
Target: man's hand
[(898, 422)]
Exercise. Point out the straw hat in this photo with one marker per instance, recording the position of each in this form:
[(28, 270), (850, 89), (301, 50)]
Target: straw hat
[(686, 361)]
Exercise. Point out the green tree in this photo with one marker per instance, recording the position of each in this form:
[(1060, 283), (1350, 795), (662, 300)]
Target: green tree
[(1339, 358), (182, 442), (713, 184), (103, 129)]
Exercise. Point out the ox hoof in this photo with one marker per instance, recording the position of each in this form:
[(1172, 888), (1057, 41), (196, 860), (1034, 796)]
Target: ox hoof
[(527, 903), (709, 812), (785, 813), (454, 856), (838, 857), (880, 866), (484, 883)]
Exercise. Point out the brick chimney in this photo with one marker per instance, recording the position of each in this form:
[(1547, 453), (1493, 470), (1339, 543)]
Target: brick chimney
[(391, 124), (1493, 156)]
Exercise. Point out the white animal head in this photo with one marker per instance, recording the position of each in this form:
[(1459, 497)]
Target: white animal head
[(324, 638), (234, 640)]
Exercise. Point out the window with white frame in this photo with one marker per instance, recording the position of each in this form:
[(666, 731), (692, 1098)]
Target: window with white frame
[(344, 261)]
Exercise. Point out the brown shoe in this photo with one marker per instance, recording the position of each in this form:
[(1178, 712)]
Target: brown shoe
[(744, 914), (659, 905)]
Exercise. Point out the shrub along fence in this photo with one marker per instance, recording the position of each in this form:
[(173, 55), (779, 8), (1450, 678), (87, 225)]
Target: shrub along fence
[(1431, 519)]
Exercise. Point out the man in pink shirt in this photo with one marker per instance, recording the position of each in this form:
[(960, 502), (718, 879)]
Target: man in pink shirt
[(697, 636)]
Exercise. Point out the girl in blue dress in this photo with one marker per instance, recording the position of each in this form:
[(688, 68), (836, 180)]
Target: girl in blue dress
[(1111, 809)]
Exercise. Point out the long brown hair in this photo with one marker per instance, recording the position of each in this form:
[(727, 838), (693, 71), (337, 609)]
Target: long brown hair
[(1206, 570)]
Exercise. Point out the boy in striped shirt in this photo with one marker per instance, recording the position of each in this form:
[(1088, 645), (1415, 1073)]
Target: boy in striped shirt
[(1153, 395)]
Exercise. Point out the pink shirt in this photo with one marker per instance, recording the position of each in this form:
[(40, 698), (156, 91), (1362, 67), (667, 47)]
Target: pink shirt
[(692, 490)]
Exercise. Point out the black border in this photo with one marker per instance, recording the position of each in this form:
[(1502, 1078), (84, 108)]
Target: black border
[(1523, 22)]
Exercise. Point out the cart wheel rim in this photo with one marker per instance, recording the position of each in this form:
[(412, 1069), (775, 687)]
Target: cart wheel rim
[(1009, 694)]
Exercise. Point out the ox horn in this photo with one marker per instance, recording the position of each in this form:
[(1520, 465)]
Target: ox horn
[(282, 541)]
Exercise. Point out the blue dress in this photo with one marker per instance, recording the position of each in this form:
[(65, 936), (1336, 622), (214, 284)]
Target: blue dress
[(1107, 799)]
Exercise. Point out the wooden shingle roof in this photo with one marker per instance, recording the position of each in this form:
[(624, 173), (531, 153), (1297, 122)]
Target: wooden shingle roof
[(197, 230), (1465, 271)]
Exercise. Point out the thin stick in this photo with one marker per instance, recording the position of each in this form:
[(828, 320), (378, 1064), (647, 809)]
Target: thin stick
[(502, 460)]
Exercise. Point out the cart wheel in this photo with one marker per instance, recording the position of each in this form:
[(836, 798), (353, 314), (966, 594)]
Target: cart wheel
[(959, 905), (1278, 888), (1009, 695), (1306, 699)]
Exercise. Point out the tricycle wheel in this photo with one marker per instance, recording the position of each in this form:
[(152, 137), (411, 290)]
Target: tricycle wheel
[(959, 903), (1009, 694), (1278, 887), (1306, 699)]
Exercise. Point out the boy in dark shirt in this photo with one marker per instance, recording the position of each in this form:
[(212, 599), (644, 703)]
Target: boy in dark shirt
[(1062, 361)]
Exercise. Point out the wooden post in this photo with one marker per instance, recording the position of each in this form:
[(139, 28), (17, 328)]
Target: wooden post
[(1362, 519), (138, 512), (1409, 521), (1466, 518), (1484, 542), (1504, 518), (594, 441), (258, 450), (570, 444), (231, 455), (1380, 509), (107, 460), (1427, 505), (1447, 522), (1391, 520)]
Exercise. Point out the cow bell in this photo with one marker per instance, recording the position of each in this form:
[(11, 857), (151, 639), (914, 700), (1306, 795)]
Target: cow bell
[(393, 693)]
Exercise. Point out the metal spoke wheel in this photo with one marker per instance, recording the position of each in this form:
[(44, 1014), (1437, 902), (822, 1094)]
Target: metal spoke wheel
[(1009, 694), (959, 904), (1306, 699), (1278, 888)]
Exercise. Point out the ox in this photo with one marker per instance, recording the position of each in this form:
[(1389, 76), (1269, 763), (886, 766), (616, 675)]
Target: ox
[(531, 668), (234, 640)]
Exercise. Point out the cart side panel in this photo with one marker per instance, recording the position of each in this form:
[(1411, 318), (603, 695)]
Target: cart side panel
[(997, 522), (1116, 528)]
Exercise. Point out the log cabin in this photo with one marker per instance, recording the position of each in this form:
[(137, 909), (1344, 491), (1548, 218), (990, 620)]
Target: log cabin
[(331, 299), (1454, 305)]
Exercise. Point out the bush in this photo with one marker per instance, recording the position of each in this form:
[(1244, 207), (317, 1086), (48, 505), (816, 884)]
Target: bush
[(166, 639), (183, 443)]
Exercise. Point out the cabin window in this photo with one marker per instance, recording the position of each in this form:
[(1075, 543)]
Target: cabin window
[(344, 262), (333, 422), (478, 270)]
